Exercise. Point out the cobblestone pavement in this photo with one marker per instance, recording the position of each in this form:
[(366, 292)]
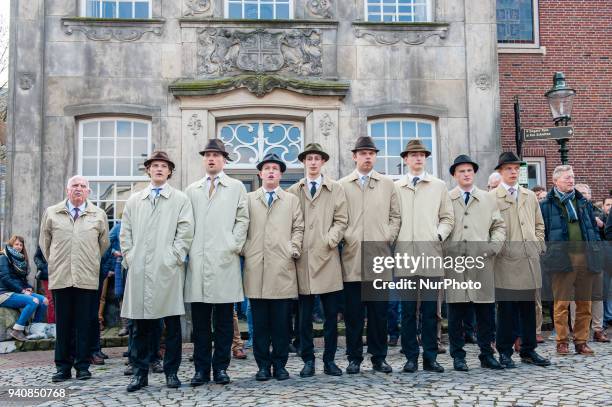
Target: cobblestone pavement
[(572, 380)]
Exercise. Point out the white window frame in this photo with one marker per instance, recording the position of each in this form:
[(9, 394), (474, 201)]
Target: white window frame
[(429, 10), (84, 7), (273, 2), (536, 32), (417, 120), (540, 164), (260, 120), (113, 178)]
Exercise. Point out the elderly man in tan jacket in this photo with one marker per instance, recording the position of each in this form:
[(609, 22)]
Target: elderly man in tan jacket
[(156, 233), (325, 212), (274, 242), (374, 216), (517, 266), (427, 220), (478, 234), (73, 237), (214, 278)]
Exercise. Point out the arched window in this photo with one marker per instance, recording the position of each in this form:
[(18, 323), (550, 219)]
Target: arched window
[(112, 151), (391, 136)]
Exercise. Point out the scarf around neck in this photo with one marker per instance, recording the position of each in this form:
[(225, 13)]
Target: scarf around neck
[(566, 199)]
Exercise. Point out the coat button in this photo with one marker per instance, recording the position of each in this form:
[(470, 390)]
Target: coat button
[(465, 227), (311, 227), (466, 213)]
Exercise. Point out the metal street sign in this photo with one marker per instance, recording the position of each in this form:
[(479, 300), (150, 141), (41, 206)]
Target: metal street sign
[(551, 133)]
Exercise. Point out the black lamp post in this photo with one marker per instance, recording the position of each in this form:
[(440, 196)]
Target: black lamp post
[(560, 99)]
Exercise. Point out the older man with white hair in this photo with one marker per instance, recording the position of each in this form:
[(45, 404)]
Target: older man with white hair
[(494, 181), (73, 236), (568, 218)]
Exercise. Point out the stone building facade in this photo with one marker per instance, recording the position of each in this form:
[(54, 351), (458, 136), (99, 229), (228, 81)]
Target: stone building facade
[(95, 95)]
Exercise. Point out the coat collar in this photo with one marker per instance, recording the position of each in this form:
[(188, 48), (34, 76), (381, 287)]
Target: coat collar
[(326, 183), (63, 207), (223, 180), (355, 175), (403, 182), (166, 192), (457, 193), (279, 193)]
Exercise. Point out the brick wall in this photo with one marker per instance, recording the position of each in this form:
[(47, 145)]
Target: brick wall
[(577, 35)]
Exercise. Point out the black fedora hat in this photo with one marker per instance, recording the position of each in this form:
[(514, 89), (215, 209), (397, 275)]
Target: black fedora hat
[(507, 157), (159, 156), (272, 158), (415, 146), (463, 159), (216, 145), (313, 148), (365, 143)]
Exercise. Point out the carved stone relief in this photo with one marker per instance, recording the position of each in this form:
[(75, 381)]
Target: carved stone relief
[(320, 8), (326, 125), (407, 37), (197, 8), (195, 124), (223, 51), (26, 80), (107, 33), (483, 81)]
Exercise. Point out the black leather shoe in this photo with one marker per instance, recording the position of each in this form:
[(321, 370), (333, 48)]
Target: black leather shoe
[(506, 362), (330, 368), (137, 383), (533, 358), (411, 366), (281, 373), (129, 370), (460, 365), (101, 354), (83, 374), (61, 376), (263, 374), (309, 369), (199, 378), (490, 362), (382, 367), (172, 381), (352, 368), (432, 366), (221, 377), (156, 367)]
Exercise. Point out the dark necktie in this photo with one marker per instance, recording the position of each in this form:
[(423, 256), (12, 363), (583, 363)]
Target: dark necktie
[(414, 181), (76, 214), (270, 198), (313, 188), (467, 197)]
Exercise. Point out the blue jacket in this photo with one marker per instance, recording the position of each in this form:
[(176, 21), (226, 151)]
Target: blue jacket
[(10, 280), (556, 235)]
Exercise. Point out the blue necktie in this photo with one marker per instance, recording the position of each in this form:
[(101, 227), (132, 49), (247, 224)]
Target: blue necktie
[(414, 181), (313, 188), (467, 197), (270, 198), (157, 192)]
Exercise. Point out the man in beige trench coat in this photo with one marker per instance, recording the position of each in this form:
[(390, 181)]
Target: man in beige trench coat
[(274, 242), (427, 220), (517, 266), (374, 216), (73, 237), (156, 233), (479, 231), (324, 207), (214, 279)]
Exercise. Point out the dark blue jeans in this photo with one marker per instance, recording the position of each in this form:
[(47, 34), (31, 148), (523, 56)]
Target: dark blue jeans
[(30, 307)]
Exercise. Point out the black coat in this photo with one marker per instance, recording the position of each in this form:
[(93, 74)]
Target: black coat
[(41, 265), (10, 279)]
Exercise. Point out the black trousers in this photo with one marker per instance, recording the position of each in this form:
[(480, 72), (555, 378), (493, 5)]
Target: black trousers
[(270, 326), (506, 311), (222, 316), (354, 314), (141, 351), (330, 325), (73, 327), (429, 330), (154, 339), (485, 327)]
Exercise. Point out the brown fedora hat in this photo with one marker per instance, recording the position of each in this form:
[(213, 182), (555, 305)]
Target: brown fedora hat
[(313, 148), (508, 157), (216, 145), (159, 156), (415, 146), (365, 143)]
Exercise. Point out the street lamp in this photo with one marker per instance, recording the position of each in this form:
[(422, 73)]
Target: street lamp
[(560, 99)]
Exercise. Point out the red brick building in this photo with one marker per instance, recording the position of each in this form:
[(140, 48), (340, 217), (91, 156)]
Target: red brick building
[(574, 37)]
